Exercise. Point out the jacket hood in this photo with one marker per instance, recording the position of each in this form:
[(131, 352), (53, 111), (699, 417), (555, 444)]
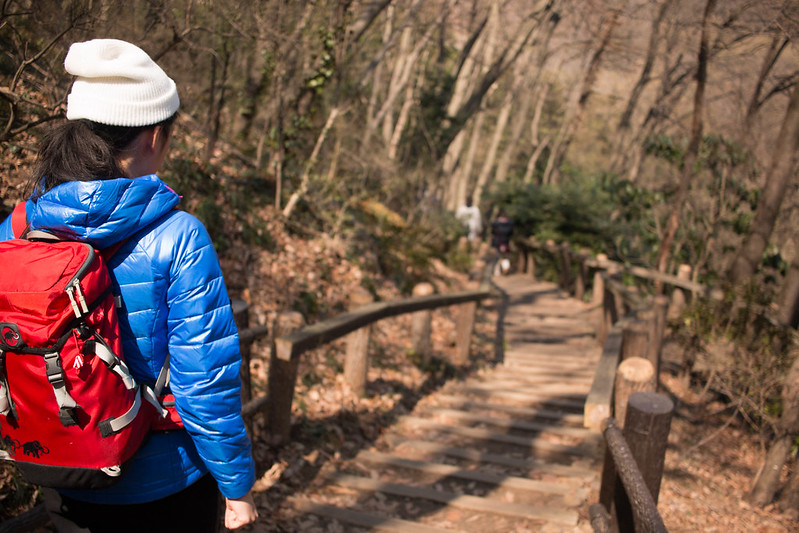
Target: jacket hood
[(105, 212)]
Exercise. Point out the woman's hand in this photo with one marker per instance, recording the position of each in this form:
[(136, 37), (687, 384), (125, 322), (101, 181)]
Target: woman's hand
[(240, 511)]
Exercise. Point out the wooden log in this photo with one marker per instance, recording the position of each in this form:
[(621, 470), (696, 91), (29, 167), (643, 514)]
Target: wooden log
[(566, 267), (600, 519), (635, 340), (293, 345), (241, 316), (422, 325), (599, 280), (610, 315), (679, 296), (660, 306), (582, 276), (634, 374), (632, 487), (464, 329), (646, 432), (531, 263), (521, 258), (652, 322), (599, 403), (281, 382), (356, 364)]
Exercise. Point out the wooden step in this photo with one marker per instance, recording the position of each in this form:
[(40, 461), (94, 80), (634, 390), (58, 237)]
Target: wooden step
[(550, 385), (506, 423), (531, 443), (461, 501), (551, 394), (575, 404), (367, 520), (498, 480), (584, 374), (531, 465), (462, 402)]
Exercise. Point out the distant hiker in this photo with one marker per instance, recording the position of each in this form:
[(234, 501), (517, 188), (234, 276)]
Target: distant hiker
[(501, 232), (470, 216), (96, 182)]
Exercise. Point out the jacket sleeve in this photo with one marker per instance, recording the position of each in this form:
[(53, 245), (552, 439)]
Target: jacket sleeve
[(5, 230), (205, 360)]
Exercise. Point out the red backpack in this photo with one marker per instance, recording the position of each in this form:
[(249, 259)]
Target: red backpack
[(71, 414)]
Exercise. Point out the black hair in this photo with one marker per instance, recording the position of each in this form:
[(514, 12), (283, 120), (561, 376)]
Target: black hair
[(82, 150)]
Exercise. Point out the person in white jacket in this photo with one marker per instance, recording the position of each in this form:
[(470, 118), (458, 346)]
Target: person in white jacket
[(469, 215)]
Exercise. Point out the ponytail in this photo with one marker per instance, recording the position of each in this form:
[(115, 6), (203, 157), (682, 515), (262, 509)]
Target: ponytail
[(81, 150)]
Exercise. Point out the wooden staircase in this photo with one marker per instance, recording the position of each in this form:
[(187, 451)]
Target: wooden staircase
[(503, 451)]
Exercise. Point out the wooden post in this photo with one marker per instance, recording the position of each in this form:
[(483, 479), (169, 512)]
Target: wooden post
[(646, 431), (599, 280), (660, 307), (282, 379), (582, 275), (678, 295), (651, 320), (609, 315), (635, 340), (241, 316), (521, 259), (465, 327), (421, 325), (634, 374), (566, 267), (531, 263), (356, 364)]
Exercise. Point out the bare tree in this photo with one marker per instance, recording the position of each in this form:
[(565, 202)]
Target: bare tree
[(778, 175), (687, 170), (575, 116)]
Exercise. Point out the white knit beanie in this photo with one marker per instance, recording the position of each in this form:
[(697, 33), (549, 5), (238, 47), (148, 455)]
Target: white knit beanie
[(118, 84)]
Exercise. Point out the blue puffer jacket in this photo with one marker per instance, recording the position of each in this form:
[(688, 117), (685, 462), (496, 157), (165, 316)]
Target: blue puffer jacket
[(174, 301)]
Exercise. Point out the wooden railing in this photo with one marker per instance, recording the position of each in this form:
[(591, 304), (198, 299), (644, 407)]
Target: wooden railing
[(623, 402), (291, 340)]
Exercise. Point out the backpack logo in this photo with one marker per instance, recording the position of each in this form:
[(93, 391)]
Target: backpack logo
[(34, 449), (11, 338)]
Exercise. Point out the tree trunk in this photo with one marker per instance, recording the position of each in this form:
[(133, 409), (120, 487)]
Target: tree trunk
[(457, 171), (687, 171), (789, 497), (789, 296), (778, 44), (312, 160), (377, 74), (778, 176), (531, 163), (624, 127), (575, 119), (365, 18), (530, 88), (768, 479), (405, 111), (491, 156)]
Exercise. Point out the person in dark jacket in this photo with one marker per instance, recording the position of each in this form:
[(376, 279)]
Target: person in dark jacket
[(501, 232), (96, 182)]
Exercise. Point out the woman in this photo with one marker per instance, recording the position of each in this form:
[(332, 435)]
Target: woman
[(96, 182)]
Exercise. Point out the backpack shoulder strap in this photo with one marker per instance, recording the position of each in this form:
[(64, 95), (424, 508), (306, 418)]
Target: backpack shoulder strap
[(19, 220)]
